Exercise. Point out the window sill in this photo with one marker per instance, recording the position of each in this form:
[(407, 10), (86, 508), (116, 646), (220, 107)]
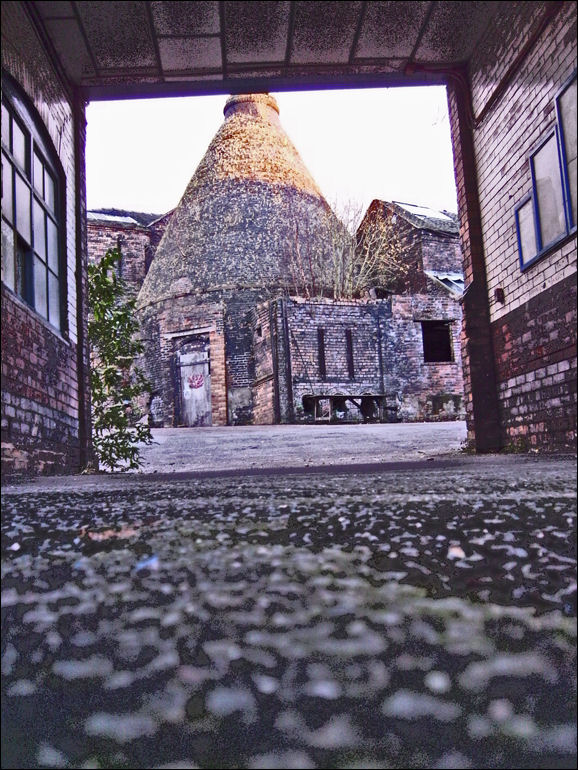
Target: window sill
[(550, 249)]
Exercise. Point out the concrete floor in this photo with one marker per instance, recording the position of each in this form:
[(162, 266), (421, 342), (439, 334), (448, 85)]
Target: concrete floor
[(292, 446)]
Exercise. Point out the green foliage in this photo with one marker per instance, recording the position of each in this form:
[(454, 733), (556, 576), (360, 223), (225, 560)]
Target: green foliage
[(116, 383)]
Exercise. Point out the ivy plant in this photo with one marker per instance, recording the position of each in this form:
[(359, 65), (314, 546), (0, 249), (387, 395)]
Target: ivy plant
[(116, 382)]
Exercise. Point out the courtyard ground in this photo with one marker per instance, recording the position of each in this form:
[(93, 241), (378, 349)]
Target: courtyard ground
[(379, 610), (298, 446)]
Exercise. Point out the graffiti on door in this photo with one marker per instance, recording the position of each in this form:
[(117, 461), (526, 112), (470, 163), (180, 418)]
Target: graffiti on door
[(195, 384)]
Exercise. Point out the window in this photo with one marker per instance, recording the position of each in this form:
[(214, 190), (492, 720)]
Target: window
[(437, 341), (547, 188), (349, 353), (566, 112), (31, 240), (321, 353), (548, 213)]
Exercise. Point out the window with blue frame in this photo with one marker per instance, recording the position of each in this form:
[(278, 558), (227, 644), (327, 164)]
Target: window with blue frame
[(31, 210), (566, 112), (548, 214)]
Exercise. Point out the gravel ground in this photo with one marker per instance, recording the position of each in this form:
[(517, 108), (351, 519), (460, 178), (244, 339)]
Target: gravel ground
[(407, 618)]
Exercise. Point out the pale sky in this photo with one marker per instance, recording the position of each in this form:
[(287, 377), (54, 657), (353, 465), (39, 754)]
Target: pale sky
[(392, 144)]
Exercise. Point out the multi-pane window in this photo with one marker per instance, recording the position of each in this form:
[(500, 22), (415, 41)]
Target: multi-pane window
[(31, 258), (548, 213)]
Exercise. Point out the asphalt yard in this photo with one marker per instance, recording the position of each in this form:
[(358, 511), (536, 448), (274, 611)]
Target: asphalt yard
[(419, 614)]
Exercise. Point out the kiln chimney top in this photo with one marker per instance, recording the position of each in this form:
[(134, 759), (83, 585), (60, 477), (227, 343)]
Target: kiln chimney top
[(249, 103)]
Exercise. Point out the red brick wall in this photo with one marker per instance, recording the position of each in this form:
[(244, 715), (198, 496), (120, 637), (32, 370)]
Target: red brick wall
[(39, 394), (41, 429), (440, 251), (536, 356)]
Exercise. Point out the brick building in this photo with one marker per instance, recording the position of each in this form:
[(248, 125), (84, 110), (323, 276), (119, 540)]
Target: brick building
[(135, 234), (45, 414), (510, 71), (388, 360), (523, 97), (249, 205)]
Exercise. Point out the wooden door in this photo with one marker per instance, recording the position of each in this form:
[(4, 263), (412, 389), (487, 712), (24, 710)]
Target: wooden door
[(195, 381)]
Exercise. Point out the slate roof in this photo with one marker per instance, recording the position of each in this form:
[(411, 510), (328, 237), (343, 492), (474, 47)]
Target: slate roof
[(425, 218), (141, 217), (97, 216), (452, 281)]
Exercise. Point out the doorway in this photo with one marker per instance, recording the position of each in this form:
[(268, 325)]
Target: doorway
[(194, 383)]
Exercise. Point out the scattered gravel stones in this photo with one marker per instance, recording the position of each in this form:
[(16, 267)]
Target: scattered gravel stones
[(385, 620)]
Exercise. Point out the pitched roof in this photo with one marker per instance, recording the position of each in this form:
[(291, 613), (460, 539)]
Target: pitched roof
[(97, 216), (141, 217), (424, 217)]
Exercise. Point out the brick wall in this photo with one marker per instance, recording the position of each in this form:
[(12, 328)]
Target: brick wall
[(334, 318), (424, 390), (42, 417), (537, 369), (165, 329), (39, 413), (514, 105), (134, 242), (388, 356), (440, 251)]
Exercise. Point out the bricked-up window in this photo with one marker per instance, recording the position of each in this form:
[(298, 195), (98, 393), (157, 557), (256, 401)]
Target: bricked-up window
[(547, 214), (321, 353), (437, 341), (31, 258), (349, 354)]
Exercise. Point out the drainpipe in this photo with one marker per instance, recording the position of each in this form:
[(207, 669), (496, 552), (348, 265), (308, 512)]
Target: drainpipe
[(288, 376), (82, 350)]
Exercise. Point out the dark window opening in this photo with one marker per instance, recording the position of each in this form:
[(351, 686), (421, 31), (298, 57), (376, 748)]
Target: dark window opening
[(321, 353), (437, 341), (309, 406), (349, 353), (259, 331)]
